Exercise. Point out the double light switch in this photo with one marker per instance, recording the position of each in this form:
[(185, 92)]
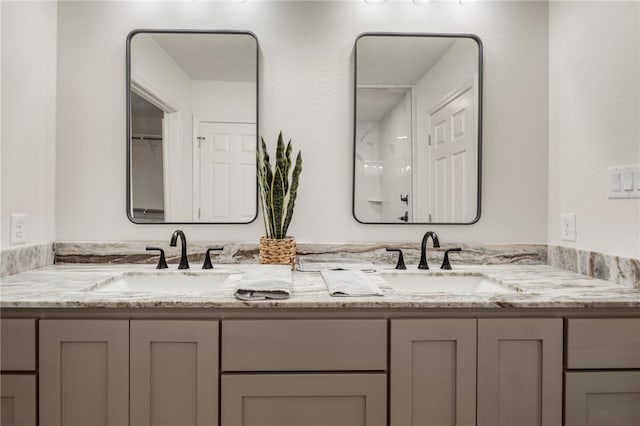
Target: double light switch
[(624, 181)]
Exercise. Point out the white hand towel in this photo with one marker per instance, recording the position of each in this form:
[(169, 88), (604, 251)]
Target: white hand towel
[(349, 283), (319, 263), (262, 282)]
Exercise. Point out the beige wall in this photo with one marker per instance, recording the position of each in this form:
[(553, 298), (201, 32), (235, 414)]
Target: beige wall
[(29, 117), (594, 121)]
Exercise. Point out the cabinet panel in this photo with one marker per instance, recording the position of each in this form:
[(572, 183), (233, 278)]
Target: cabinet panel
[(304, 345), (84, 371), (18, 399), (174, 373), (607, 398), (519, 372), (603, 343), (304, 400), (433, 372), (18, 348)]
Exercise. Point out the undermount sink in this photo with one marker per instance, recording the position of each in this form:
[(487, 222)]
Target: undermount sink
[(165, 282), (421, 282)]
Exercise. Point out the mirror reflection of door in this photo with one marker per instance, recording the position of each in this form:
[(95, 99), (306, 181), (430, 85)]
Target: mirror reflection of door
[(453, 160), (226, 155)]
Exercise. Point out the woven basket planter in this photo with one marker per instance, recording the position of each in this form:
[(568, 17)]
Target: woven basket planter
[(278, 251)]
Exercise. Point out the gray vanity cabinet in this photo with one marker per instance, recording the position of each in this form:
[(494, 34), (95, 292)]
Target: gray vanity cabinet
[(608, 396), (174, 373), (520, 372), (84, 372), (88, 368), (433, 372)]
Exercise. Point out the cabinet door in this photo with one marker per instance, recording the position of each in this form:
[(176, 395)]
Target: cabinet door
[(603, 398), (84, 372), (433, 372), (520, 372), (174, 373), (18, 400), (304, 400)]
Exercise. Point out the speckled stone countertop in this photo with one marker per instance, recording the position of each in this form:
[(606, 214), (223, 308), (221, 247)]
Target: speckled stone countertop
[(534, 286)]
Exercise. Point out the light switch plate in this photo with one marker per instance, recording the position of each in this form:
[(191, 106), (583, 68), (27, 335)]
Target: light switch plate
[(18, 228), (624, 181), (568, 227)]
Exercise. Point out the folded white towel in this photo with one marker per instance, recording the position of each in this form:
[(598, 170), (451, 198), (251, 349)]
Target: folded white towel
[(349, 283), (262, 282), (319, 263)]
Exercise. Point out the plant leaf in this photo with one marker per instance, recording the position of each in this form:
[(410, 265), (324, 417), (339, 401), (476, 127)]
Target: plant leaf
[(295, 178)]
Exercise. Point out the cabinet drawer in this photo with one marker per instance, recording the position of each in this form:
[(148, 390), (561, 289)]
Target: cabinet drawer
[(18, 344), (602, 398), (18, 393), (304, 399), (304, 345), (603, 343)]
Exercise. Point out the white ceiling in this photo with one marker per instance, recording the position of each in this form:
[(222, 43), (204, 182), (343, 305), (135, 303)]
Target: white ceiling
[(373, 104), (398, 60), (223, 57)]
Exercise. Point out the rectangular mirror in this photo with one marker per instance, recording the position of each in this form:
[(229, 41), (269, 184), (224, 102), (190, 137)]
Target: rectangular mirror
[(417, 130), (192, 120)]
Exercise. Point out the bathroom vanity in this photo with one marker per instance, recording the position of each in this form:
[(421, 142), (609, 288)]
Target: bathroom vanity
[(132, 358)]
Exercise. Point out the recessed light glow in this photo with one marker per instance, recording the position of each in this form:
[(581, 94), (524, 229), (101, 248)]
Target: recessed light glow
[(423, 1), (463, 2), (375, 1)]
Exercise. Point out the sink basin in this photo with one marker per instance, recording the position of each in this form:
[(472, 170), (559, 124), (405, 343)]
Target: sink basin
[(415, 282), (164, 282)]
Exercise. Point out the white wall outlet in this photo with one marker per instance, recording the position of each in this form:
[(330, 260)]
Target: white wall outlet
[(568, 227), (18, 228)]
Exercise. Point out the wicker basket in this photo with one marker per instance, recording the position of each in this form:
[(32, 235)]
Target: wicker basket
[(278, 251)]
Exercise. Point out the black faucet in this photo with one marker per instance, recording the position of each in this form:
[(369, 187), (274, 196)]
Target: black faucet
[(423, 248), (184, 262)]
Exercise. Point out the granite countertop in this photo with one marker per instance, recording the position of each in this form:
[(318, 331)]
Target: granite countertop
[(535, 286)]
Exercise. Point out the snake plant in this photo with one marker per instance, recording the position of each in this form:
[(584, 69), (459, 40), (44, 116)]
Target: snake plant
[(278, 186)]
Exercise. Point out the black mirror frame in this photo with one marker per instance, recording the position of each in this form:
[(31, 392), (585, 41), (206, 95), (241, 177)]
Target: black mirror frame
[(480, 114), (128, 118)]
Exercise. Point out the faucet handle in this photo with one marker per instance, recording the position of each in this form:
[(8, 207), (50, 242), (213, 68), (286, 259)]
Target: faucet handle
[(445, 262), (162, 263), (400, 264), (207, 260)]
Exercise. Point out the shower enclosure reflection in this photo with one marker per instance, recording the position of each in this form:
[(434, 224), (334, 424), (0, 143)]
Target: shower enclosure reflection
[(192, 120), (417, 129)]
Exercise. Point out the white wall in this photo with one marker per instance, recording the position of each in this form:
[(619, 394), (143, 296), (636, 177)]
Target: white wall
[(594, 121), (29, 117), (307, 91), (224, 101)]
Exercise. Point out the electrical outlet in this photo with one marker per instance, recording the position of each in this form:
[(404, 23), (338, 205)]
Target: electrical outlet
[(18, 228), (568, 227)]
